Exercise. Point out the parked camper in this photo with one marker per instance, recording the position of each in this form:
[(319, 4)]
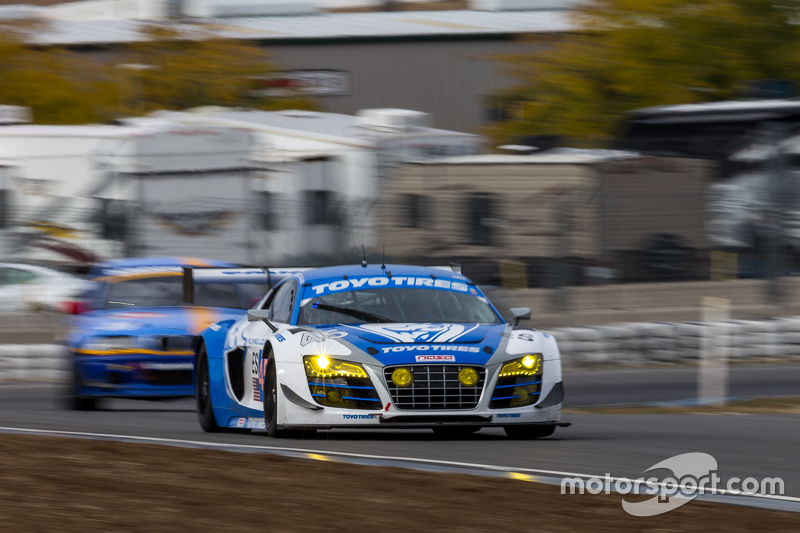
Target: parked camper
[(86, 193), (325, 173)]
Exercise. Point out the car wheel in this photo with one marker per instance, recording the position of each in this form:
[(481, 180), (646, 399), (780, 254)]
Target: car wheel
[(72, 399), (455, 432), (271, 407), (532, 431), (205, 410)]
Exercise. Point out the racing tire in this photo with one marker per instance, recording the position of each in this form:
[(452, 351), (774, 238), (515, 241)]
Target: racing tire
[(271, 407), (529, 431), (72, 400), (205, 410), (455, 432)]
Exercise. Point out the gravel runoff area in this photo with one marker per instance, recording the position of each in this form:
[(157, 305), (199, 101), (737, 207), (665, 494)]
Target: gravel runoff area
[(67, 484)]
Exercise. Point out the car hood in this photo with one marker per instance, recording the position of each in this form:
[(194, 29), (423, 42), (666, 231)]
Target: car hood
[(151, 320), (393, 344)]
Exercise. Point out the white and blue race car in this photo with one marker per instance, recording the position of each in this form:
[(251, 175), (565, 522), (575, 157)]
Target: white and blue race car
[(373, 347)]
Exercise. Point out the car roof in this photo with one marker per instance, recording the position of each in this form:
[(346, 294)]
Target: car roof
[(377, 270)]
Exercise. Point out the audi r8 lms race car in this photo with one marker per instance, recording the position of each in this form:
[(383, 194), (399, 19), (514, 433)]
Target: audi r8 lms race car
[(133, 331), (378, 347)]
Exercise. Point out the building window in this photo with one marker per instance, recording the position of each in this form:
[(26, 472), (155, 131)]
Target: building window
[(480, 219), (266, 210), (414, 211), (319, 210)]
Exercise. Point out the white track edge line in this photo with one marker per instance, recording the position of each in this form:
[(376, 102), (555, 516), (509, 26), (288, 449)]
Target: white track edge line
[(474, 466)]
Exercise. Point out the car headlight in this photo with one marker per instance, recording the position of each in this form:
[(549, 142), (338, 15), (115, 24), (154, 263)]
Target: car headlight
[(336, 383), (529, 365), (105, 344), (321, 366)]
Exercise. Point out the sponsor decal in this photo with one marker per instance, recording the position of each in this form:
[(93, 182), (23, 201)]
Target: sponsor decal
[(436, 358), (433, 348), (215, 327), (522, 336), (250, 423), (394, 281), (507, 415), (280, 338), (357, 417), (417, 333), (320, 336), (546, 335), (167, 366)]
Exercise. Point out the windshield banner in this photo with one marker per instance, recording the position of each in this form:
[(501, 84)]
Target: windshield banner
[(375, 282)]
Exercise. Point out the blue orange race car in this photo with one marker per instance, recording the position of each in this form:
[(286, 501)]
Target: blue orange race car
[(133, 332)]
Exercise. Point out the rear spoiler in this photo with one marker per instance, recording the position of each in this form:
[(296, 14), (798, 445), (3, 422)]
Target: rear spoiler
[(233, 276), (454, 267)]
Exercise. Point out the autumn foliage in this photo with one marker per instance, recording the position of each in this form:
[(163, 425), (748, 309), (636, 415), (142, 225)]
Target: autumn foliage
[(629, 54), (166, 69)]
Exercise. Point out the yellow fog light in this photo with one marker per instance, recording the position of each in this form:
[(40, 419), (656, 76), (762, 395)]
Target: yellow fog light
[(319, 366), (402, 377), (530, 365), (468, 377), (333, 396)]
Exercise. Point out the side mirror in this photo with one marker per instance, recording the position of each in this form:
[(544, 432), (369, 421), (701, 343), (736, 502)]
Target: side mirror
[(254, 315), (518, 313)]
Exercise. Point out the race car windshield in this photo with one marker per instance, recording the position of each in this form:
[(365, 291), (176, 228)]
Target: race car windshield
[(399, 305), (167, 291)]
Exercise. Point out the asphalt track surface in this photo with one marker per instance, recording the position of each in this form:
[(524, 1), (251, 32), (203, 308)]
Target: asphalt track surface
[(622, 445)]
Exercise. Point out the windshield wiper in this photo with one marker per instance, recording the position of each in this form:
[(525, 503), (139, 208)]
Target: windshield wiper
[(363, 315)]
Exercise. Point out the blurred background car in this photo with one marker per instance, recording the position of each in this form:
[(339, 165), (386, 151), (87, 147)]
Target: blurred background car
[(133, 331), (34, 288)]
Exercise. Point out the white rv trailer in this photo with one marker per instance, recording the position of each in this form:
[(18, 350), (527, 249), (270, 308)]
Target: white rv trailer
[(244, 186), (327, 171), (79, 194)]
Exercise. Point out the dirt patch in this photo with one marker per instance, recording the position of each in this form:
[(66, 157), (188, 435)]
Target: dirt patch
[(59, 484), (745, 407)]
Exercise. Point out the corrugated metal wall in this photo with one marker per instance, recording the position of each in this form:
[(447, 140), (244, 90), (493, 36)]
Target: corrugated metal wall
[(448, 79)]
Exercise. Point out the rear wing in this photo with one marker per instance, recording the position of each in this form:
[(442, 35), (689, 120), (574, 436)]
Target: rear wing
[(454, 267), (233, 276)]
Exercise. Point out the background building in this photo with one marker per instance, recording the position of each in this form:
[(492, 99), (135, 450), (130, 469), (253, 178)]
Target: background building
[(444, 63)]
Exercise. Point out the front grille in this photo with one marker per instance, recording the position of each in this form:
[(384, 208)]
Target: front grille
[(172, 377), (435, 387)]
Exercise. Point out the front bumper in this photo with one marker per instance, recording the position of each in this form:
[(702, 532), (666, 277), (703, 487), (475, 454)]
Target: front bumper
[(133, 375), (298, 410)]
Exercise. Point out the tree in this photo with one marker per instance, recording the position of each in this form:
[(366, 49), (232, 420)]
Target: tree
[(168, 69), (57, 85), (173, 69), (630, 54)]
